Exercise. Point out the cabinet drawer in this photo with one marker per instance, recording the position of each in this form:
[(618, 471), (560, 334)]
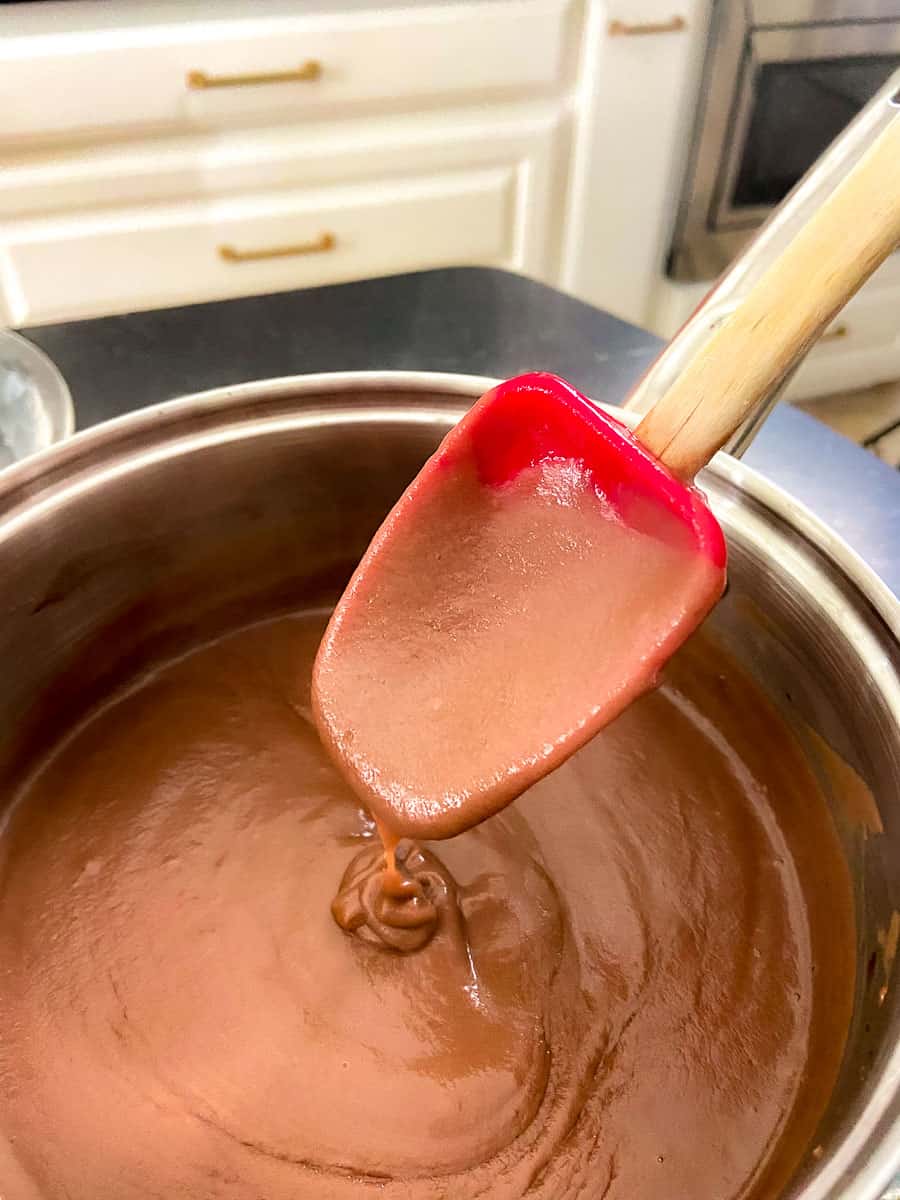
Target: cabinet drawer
[(204, 250), (199, 74), (861, 347)]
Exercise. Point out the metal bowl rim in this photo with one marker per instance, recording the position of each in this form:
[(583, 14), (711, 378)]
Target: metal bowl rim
[(161, 420)]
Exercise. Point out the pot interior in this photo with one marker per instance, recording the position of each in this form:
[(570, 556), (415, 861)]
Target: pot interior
[(142, 537)]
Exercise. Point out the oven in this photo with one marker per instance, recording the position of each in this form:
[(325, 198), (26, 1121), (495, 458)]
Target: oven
[(781, 80)]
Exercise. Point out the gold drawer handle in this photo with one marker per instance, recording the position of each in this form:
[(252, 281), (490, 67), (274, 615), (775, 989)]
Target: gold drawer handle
[(833, 335), (623, 29), (308, 72), (320, 245)]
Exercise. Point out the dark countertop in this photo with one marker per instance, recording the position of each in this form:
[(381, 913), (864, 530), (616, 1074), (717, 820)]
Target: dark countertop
[(471, 320)]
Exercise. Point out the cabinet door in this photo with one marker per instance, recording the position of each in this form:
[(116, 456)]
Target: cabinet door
[(89, 75), (436, 199), (204, 250), (640, 60)]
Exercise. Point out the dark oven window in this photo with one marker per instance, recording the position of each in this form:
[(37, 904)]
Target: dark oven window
[(798, 109)]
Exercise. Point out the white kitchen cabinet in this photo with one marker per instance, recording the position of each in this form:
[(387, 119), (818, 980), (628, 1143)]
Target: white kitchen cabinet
[(109, 155), (639, 58), (345, 138), (197, 68), (273, 222), (427, 135), (204, 250), (109, 175)]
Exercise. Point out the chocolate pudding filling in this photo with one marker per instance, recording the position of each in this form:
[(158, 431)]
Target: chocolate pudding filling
[(215, 984)]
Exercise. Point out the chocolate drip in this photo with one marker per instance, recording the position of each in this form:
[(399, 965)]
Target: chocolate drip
[(400, 906)]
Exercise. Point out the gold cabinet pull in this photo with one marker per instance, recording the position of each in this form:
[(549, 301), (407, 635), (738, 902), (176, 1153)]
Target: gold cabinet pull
[(307, 72), (834, 335), (320, 245), (624, 29)]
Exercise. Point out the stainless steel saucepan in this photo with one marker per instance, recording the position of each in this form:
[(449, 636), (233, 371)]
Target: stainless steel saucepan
[(128, 540)]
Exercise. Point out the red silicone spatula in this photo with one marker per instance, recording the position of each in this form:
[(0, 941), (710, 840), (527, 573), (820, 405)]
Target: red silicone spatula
[(546, 562)]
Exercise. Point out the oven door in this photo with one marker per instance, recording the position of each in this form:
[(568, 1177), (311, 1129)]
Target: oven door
[(782, 80)]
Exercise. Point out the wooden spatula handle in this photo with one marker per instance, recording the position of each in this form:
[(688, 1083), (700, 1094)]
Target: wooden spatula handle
[(853, 232)]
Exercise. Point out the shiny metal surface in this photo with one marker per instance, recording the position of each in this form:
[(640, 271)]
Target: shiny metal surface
[(709, 231), (778, 231), (269, 492), (35, 403)]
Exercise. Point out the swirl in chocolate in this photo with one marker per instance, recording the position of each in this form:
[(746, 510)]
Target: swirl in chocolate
[(395, 898)]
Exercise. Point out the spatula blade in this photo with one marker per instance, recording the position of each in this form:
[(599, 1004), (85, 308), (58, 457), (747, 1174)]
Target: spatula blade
[(528, 584)]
